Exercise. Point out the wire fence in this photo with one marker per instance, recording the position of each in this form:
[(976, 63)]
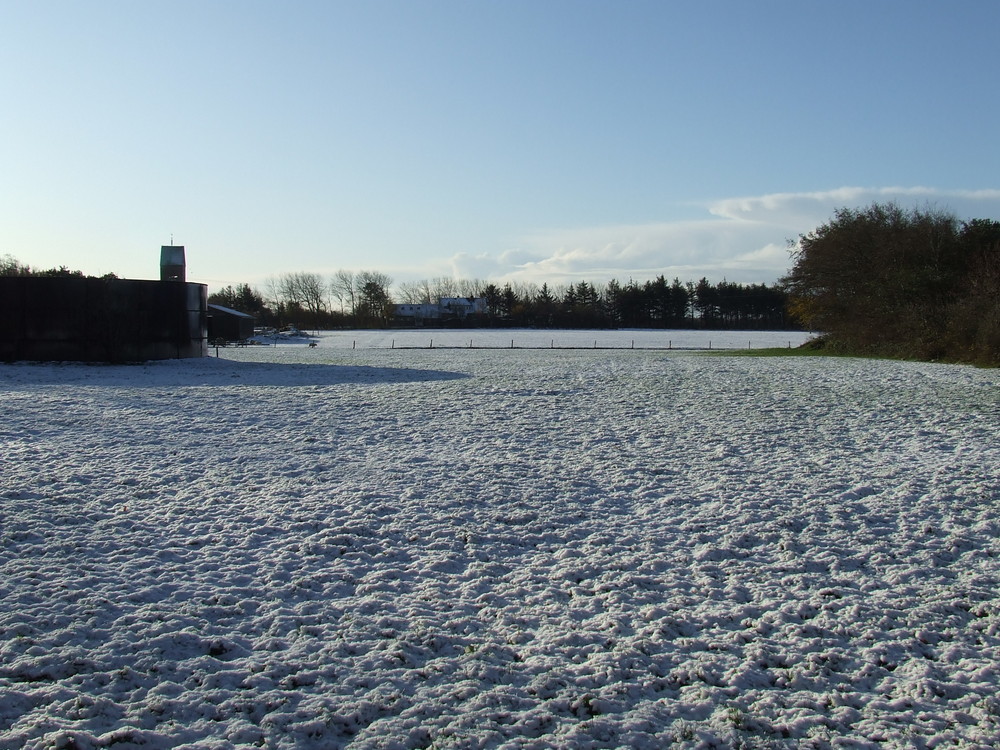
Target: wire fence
[(709, 346), (535, 340)]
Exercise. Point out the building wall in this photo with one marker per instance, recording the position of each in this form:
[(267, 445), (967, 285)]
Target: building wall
[(101, 320), (457, 307), (417, 311), (462, 306)]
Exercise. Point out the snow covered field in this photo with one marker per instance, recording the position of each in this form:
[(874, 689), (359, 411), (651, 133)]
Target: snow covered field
[(541, 339), (292, 547)]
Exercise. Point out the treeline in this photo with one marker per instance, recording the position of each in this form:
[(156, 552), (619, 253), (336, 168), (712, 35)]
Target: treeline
[(886, 281), (366, 299), (11, 266)]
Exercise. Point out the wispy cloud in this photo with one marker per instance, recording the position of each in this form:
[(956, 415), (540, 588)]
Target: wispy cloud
[(741, 239)]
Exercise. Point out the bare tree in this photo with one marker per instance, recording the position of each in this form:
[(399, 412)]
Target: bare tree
[(471, 287), (304, 289), (425, 292), (413, 293), (525, 290), (343, 286), (561, 291), (443, 286), (313, 292), (272, 292)]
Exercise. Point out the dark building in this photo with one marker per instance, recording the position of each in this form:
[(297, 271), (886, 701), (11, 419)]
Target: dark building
[(101, 320), (229, 325), (172, 264)]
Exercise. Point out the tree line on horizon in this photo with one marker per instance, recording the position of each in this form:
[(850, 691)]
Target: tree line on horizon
[(366, 299), (879, 281), (11, 266), (891, 282)]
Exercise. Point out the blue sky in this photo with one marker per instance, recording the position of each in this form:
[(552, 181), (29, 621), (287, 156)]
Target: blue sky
[(541, 140)]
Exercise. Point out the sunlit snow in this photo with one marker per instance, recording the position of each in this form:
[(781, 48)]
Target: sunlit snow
[(362, 546)]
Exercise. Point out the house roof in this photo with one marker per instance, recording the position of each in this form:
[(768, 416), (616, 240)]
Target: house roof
[(230, 311)]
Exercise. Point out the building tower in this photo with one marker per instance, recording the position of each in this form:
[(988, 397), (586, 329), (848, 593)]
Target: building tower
[(172, 266)]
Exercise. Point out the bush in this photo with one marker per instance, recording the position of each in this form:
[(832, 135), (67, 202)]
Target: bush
[(885, 281)]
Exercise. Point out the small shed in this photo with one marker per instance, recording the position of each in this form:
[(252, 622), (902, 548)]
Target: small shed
[(228, 324)]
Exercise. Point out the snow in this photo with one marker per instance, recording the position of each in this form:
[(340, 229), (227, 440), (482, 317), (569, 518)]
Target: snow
[(230, 311), (560, 338), (365, 547)]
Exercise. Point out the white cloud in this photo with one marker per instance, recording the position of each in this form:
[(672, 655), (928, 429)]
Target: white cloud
[(741, 239)]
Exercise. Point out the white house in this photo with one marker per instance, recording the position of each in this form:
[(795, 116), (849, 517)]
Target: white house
[(462, 306), (418, 312), (447, 307)]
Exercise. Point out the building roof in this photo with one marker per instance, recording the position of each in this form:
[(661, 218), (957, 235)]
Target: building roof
[(230, 311)]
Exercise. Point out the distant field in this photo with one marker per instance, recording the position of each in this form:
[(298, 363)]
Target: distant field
[(530, 338)]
